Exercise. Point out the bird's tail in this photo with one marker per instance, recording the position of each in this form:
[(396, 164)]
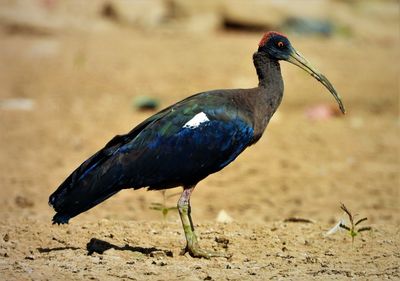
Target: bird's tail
[(80, 192)]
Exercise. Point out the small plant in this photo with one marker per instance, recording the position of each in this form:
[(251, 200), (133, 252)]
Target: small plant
[(353, 232), (163, 206)]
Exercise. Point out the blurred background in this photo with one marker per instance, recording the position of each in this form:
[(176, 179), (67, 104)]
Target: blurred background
[(75, 73)]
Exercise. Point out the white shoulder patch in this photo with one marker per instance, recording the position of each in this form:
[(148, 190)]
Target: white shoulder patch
[(196, 120)]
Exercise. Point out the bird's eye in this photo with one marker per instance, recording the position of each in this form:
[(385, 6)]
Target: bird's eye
[(280, 44)]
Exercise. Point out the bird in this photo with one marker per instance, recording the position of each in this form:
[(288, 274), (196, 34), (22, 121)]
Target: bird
[(186, 142)]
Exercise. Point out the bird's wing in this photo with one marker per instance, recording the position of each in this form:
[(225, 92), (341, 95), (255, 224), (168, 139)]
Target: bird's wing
[(114, 144), (187, 144)]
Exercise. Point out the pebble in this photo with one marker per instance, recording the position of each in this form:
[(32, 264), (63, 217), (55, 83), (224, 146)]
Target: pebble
[(30, 257), (145, 103), (158, 254), (21, 104), (223, 241), (23, 202), (159, 263), (223, 217)]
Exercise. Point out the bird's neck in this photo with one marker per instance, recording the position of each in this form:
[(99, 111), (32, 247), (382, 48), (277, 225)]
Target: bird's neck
[(269, 91), (268, 71)]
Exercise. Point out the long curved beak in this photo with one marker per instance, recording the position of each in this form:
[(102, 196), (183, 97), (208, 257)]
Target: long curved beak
[(301, 62)]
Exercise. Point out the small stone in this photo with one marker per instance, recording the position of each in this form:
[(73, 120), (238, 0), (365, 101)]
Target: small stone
[(158, 254), (6, 237), (295, 219), (328, 253), (223, 217), (159, 263), (169, 253), (222, 241), (30, 257), (22, 104), (145, 103), (23, 202)]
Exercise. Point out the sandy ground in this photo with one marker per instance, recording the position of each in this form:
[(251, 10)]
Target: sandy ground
[(83, 85)]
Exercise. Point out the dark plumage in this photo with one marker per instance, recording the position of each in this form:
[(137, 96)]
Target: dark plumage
[(184, 143)]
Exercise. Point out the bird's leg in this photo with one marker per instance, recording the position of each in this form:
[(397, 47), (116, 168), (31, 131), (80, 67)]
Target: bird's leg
[(192, 244)]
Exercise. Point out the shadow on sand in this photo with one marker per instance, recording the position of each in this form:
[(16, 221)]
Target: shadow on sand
[(99, 246)]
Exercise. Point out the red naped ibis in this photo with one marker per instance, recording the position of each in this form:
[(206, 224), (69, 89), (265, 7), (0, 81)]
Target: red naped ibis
[(185, 142)]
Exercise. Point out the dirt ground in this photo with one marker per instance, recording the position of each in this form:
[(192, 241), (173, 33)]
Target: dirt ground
[(82, 86)]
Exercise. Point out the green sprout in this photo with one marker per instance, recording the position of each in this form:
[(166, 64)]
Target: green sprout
[(353, 232), (163, 206), (352, 229)]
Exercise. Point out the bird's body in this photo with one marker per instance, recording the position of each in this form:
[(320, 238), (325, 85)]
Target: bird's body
[(179, 146)]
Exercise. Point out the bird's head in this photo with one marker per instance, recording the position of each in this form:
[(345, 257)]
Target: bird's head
[(278, 47)]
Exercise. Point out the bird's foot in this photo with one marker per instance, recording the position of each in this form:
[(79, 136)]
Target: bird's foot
[(197, 252)]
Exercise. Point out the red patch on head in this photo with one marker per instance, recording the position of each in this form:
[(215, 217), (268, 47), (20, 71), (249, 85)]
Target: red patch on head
[(267, 36)]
